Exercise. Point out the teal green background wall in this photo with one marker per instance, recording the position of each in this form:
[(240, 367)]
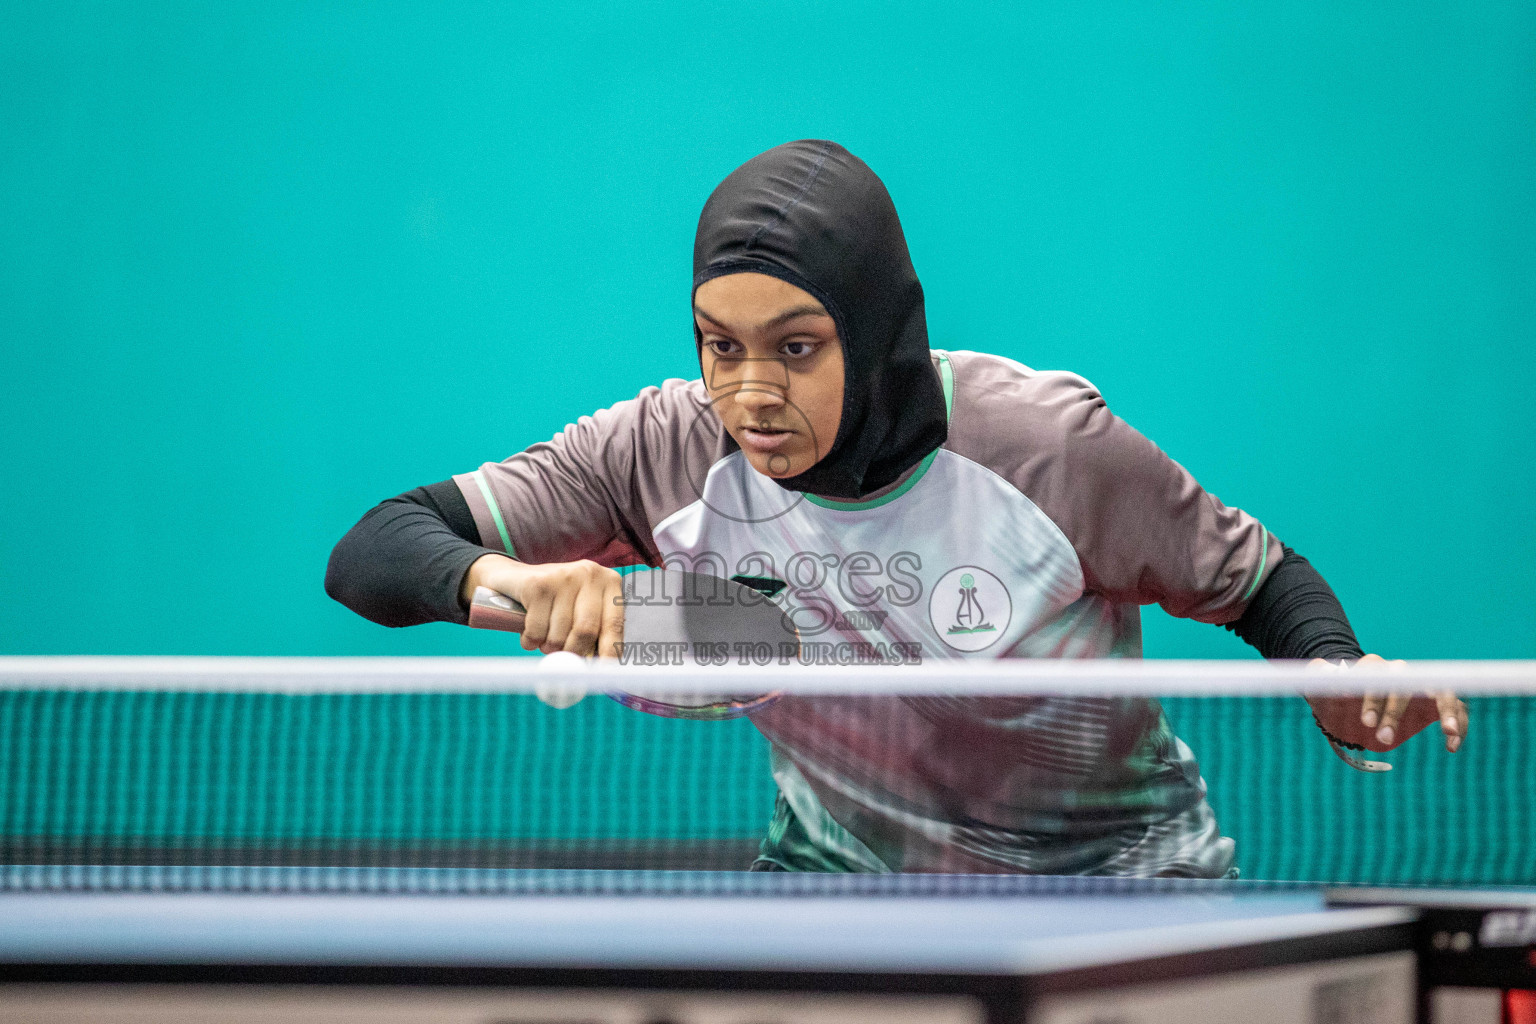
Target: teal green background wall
[(262, 265)]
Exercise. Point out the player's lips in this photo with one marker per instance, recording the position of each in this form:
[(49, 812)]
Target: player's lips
[(760, 440)]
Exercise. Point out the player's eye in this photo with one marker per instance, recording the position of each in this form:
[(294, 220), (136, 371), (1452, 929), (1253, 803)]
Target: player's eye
[(721, 347), (798, 349)]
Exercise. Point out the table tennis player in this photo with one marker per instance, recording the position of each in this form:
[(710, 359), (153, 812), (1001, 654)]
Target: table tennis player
[(890, 494)]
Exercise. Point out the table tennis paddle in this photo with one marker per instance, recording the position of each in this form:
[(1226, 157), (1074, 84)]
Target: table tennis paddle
[(672, 617)]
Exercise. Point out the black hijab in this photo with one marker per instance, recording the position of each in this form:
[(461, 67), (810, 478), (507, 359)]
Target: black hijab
[(812, 214)]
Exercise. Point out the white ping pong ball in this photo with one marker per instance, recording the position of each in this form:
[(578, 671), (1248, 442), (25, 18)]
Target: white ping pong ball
[(560, 693)]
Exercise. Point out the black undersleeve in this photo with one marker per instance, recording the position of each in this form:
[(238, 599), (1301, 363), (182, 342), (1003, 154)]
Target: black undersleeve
[(1295, 614), (403, 563)]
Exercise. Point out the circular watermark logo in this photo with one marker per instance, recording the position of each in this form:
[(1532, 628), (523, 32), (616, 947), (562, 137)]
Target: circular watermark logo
[(770, 503), (970, 608)]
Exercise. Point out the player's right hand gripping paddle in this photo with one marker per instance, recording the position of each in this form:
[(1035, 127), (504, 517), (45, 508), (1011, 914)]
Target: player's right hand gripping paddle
[(673, 617)]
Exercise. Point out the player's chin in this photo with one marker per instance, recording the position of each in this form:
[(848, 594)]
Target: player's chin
[(777, 465)]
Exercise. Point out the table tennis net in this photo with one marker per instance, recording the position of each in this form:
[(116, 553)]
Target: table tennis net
[(242, 779)]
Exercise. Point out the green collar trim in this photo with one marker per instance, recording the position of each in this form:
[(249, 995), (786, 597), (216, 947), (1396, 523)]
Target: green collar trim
[(947, 379)]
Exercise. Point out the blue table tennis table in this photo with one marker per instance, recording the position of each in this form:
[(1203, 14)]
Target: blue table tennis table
[(306, 945)]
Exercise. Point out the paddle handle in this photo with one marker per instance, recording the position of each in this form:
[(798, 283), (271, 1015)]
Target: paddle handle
[(491, 610)]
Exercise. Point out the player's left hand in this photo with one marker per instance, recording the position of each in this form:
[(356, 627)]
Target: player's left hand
[(1384, 720)]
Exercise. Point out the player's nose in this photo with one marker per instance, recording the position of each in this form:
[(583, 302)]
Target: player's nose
[(758, 399)]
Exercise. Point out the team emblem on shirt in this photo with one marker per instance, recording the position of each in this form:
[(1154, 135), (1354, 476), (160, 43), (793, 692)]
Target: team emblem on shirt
[(970, 608)]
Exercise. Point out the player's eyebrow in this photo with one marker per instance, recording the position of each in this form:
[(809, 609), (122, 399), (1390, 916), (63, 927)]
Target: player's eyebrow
[(804, 309)]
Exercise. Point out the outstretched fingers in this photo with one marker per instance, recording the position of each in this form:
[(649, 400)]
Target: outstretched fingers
[(1391, 716), (1371, 708), (1453, 719)]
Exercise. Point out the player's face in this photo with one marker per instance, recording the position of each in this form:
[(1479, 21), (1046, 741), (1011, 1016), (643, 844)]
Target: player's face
[(774, 368)]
